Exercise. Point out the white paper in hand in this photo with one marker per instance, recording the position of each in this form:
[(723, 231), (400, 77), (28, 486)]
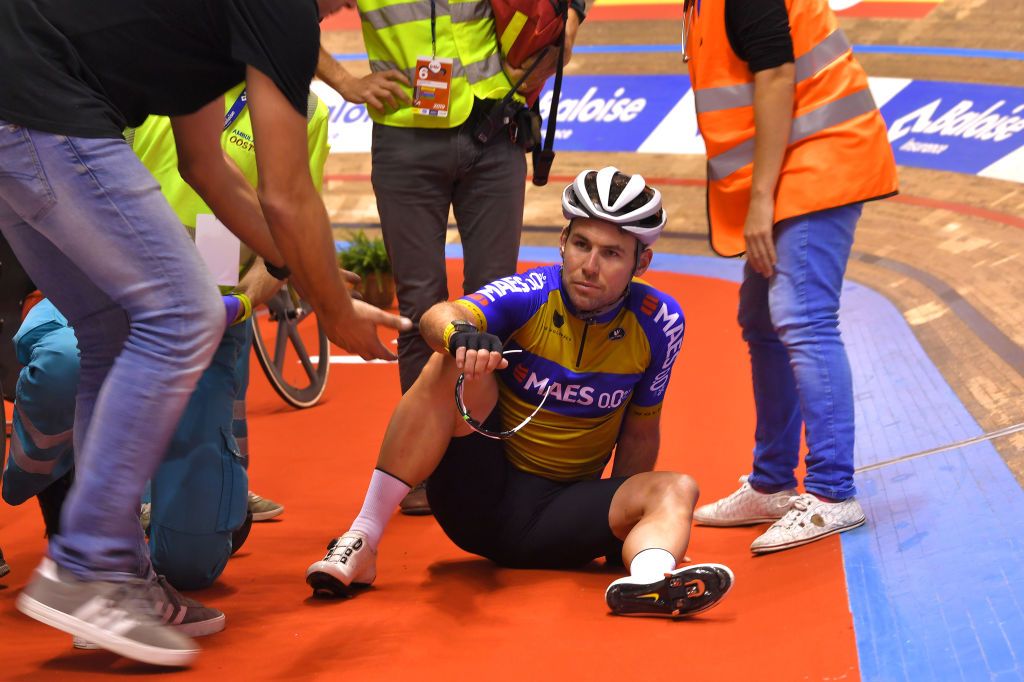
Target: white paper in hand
[(219, 248)]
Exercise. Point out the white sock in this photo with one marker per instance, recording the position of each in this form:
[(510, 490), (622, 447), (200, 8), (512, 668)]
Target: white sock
[(652, 564), (382, 496)]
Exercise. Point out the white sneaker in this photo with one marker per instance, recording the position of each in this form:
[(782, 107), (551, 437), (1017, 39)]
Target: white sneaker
[(683, 592), (745, 507), (349, 563), (809, 519)]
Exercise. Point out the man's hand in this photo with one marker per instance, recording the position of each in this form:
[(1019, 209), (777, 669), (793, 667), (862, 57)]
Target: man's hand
[(549, 59), (476, 353), (758, 233), (356, 331), (773, 117), (350, 277), (380, 91)]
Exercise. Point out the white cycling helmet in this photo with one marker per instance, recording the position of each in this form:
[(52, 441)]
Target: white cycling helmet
[(613, 196)]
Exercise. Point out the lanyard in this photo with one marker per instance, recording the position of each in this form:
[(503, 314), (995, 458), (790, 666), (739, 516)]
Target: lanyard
[(688, 9), (235, 110), (433, 28)]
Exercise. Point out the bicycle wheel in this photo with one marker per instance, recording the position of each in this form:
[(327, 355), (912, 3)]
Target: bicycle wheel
[(281, 351)]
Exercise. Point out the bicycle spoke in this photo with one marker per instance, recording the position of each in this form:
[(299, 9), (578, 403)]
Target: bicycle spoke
[(300, 348), (281, 344)]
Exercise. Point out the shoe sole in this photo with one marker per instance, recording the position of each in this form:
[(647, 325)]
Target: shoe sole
[(200, 629), (715, 523), (267, 515), (416, 511), (673, 596), (4, 570), (145, 653), (326, 586), (806, 541)]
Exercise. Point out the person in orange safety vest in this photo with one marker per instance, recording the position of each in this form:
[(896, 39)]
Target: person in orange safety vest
[(795, 146)]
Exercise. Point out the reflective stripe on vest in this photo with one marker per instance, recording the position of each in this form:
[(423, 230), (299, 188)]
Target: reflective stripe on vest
[(397, 33), (393, 15), (808, 65), (825, 116), (474, 73)]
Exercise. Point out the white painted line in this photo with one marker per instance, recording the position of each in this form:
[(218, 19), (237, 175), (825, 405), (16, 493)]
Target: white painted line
[(350, 360)]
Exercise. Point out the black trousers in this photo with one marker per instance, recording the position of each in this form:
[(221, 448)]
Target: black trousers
[(418, 175)]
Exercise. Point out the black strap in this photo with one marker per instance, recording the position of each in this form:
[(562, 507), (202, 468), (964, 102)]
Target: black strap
[(544, 157)]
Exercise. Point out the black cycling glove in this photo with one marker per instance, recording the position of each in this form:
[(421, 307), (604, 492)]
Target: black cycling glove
[(465, 335)]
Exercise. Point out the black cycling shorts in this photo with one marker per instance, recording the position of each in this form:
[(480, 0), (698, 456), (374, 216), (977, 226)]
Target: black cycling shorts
[(490, 508)]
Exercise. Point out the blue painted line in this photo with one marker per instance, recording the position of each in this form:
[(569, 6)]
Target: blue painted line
[(932, 51), (673, 48), (935, 579)]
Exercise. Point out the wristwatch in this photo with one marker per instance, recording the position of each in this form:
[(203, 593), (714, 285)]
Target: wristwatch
[(455, 327), (277, 272)]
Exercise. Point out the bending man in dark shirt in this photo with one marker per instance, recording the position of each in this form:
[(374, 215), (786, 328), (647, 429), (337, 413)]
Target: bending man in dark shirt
[(92, 230)]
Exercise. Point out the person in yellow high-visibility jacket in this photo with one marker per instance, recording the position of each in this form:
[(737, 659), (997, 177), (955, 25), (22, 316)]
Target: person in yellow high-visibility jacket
[(427, 161)]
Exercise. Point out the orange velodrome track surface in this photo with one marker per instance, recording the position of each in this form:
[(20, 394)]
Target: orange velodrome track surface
[(437, 613)]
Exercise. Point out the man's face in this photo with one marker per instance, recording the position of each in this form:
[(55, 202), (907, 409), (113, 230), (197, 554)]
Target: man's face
[(597, 262)]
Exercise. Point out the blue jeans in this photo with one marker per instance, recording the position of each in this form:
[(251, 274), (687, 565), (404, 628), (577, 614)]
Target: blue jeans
[(801, 374), (89, 225), (44, 404)]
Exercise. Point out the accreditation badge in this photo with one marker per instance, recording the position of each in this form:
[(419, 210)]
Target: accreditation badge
[(432, 88)]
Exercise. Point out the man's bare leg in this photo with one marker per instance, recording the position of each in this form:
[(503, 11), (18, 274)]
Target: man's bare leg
[(652, 514), (416, 439)]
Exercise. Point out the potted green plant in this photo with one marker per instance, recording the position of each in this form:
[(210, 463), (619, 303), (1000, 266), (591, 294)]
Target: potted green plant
[(369, 259)]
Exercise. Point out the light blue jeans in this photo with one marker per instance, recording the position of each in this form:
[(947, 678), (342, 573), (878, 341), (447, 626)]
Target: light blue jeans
[(800, 370), (89, 225)]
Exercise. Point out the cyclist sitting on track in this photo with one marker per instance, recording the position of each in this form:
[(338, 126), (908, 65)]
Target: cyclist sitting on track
[(599, 344)]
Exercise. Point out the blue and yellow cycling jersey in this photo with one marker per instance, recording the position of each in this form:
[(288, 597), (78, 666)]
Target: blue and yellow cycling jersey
[(597, 368)]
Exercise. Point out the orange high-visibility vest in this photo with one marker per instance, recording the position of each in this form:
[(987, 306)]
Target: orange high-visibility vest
[(838, 151)]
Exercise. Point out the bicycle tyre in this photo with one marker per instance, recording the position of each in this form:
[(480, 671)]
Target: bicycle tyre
[(286, 316)]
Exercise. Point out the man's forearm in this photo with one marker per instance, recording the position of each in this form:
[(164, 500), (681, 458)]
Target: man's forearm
[(258, 284), (635, 454), (301, 229), (235, 203), (330, 70), (436, 319), (773, 118)]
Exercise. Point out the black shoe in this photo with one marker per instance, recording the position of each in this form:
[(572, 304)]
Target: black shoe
[(683, 592), (240, 534), (51, 501)]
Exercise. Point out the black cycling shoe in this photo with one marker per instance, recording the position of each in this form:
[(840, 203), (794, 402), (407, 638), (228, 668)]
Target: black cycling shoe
[(683, 592), (239, 535)]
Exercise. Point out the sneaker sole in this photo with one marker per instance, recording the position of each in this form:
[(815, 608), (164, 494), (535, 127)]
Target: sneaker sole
[(326, 586), (806, 541), (673, 595), (4, 570), (177, 658), (720, 523), (201, 629), (267, 515)]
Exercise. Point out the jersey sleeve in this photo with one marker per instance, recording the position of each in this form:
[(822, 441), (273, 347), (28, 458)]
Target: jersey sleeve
[(664, 328), (280, 38), (319, 149), (506, 304)]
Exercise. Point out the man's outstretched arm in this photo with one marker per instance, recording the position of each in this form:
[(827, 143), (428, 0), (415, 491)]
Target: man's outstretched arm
[(299, 224)]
